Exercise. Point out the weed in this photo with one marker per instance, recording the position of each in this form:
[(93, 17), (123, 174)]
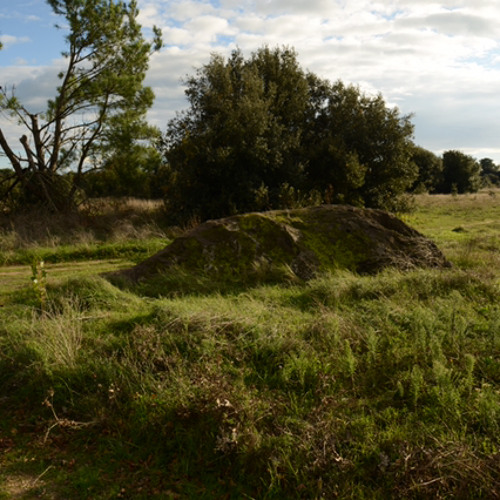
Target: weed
[(58, 335), (349, 361), (39, 282), (416, 384)]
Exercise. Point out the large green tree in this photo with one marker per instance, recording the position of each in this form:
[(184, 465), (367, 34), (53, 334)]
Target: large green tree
[(490, 173), (461, 173), (241, 132), (101, 89), (127, 162), (357, 150), (129, 165), (261, 129)]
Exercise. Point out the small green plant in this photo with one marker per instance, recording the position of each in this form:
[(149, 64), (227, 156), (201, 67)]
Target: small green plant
[(349, 360), (39, 281), (416, 384), (468, 381)]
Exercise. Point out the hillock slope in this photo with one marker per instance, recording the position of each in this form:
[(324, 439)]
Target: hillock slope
[(306, 241)]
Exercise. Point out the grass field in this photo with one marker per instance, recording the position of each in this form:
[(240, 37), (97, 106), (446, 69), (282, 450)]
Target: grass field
[(346, 386)]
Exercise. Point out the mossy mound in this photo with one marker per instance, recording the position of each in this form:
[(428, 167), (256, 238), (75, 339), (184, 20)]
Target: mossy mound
[(304, 241)]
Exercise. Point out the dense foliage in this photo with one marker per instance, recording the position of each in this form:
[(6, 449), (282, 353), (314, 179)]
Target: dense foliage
[(430, 170), (461, 173), (453, 172), (263, 133), (101, 94), (490, 173), (129, 168)]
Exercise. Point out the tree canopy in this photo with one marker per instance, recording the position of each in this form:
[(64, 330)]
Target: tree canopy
[(262, 133), (101, 90), (357, 149), (430, 170), (461, 173), (490, 173)]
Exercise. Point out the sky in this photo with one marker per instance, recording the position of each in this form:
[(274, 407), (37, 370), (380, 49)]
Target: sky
[(438, 60)]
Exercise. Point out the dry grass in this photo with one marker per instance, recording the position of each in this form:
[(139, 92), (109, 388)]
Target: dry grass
[(28, 486), (109, 220), (57, 334), (481, 199), (122, 205)]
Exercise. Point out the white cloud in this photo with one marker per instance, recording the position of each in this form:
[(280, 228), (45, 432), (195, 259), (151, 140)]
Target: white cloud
[(148, 15), (34, 85), (206, 29), (8, 40)]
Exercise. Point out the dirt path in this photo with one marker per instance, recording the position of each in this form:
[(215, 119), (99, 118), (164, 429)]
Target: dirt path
[(17, 277)]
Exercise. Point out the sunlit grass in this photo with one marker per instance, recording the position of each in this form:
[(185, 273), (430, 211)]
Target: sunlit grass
[(346, 386)]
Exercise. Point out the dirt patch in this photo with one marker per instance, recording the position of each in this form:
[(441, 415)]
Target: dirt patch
[(305, 240), (25, 486)]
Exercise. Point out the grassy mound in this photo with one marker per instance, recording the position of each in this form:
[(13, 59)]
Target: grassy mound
[(290, 244)]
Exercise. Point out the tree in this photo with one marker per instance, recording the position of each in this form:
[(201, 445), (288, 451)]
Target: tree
[(430, 169), (461, 173), (133, 170), (261, 131), (241, 133), (125, 163), (357, 149), (100, 89), (490, 173)]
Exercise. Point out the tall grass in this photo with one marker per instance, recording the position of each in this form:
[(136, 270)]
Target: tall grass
[(100, 229), (381, 386), (345, 386)]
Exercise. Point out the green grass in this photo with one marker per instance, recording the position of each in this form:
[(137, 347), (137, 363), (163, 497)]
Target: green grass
[(342, 387), (466, 227), (135, 250)]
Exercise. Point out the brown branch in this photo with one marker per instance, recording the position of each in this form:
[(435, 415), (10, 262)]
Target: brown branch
[(13, 158), (59, 113), (46, 193), (11, 187), (20, 172), (88, 145), (29, 154), (7, 179), (38, 142)]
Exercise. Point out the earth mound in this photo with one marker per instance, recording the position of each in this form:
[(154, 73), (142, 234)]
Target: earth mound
[(304, 241)]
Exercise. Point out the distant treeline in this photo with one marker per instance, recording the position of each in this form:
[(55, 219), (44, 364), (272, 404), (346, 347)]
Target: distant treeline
[(453, 172)]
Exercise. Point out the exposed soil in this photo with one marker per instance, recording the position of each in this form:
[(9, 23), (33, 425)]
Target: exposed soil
[(306, 240)]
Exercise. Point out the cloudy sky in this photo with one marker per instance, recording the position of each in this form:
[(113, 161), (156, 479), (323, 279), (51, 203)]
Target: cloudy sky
[(439, 60)]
